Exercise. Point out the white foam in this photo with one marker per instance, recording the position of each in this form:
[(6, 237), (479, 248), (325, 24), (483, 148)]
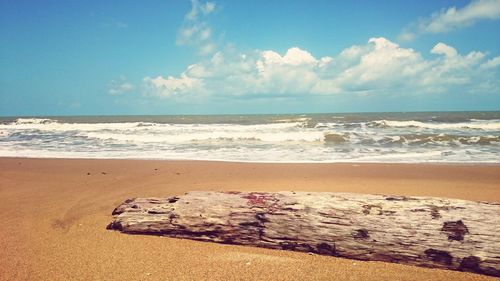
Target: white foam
[(478, 124), (34, 121), (269, 142), (176, 137), (264, 156), (52, 125)]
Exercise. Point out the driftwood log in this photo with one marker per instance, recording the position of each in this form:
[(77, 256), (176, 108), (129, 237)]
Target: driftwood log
[(422, 231)]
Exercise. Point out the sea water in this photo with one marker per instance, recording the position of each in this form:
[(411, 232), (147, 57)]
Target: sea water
[(454, 137)]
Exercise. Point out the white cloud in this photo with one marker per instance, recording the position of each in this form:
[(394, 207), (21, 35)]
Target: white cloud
[(196, 31), (492, 63), (198, 8), (205, 33), (120, 86), (208, 7), (378, 67), (452, 18), (171, 86), (444, 49), (207, 49)]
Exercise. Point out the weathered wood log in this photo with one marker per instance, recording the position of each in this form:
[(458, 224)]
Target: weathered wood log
[(423, 231)]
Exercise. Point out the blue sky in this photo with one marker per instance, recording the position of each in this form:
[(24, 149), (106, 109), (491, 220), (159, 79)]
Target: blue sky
[(217, 57)]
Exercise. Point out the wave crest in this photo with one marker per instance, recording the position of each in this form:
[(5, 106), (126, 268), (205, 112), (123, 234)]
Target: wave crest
[(43, 121), (481, 125)]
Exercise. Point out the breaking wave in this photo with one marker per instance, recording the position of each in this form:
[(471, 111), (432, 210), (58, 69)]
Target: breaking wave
[(476, 124), (295, 138)]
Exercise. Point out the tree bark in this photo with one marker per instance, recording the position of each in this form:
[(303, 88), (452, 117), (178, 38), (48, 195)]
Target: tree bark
[(422, 231)]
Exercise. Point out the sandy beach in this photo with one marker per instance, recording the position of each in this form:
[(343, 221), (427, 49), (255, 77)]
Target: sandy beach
[(55, 212)]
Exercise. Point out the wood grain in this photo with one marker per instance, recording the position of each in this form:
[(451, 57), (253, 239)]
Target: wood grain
[(423, 231)]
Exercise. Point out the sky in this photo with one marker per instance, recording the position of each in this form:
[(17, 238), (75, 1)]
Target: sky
[(247, 57)]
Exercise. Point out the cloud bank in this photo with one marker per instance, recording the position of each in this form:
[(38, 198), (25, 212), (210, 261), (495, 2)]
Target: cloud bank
[(378, 67), (453, 18)]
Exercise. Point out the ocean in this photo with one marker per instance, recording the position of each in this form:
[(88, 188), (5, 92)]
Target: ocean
[(427, 137)]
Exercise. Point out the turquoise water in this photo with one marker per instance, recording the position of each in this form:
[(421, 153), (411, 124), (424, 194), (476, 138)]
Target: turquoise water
[(455, 137)]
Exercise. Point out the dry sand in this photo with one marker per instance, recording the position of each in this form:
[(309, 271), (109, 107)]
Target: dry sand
[(54, 215)]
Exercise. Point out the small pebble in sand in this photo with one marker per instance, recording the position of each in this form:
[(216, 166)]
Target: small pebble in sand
[(88, 174), (103, 173), (148, 274), (248, 263)]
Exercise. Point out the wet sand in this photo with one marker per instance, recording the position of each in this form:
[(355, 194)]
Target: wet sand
[(54, 214)]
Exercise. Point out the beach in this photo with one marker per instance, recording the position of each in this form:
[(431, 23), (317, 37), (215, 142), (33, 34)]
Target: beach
[(55, 212), (250, 140)]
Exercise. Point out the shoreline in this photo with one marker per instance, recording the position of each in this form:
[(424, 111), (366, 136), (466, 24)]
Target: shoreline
[(263, 162), (55, 213)]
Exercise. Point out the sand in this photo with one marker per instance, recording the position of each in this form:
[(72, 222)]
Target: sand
[(54, 214)]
